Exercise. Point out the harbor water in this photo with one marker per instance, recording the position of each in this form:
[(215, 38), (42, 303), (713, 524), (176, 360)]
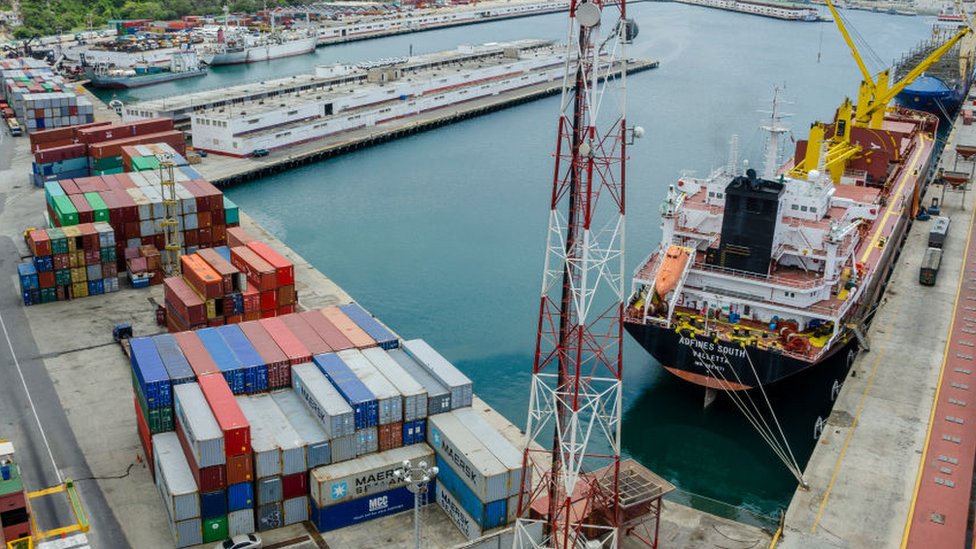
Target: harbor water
[(442, 234)]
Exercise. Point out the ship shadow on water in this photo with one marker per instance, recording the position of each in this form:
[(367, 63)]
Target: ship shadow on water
[(736, 475)]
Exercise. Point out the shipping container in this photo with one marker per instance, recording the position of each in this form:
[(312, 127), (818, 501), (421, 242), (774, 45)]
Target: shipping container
[(290, 442), (213, 504), (367, 441), (186, 533), (240, 468), (383, 336), (326, 330), (267, 453), (277, 363), (414, 432), (269, 490), (199, 425), (296, 510), (453, 509), (240, 522), (255, 371), (207, 283), (182, 300), (316, 440), (145, 438), (284, 269), (293, 348), (445, 372), (323, 400), (300, 329), (174, 479), (358, 396), (151, 375), (269, 517), (486, 515), (228, 273), (343, 448), (939, 231), (496, 443), (390, 436), (413, 393), (438, 396), (230, 366), (364, 476), (237, 436), (177, 367), (929, 271), (240, 496), (215, 529), (259, 272), (196, 354), (294, 485), (360, 510), (356, 335), (481, 470), (388, 398)]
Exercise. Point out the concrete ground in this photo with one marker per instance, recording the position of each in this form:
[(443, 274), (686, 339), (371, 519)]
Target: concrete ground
[(862, 473)]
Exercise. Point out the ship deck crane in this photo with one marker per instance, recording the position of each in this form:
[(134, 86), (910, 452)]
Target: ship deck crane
[(874, 94)]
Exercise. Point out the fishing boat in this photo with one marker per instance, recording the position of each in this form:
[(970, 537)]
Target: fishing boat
[(760, 276), (182, 64), (946, 83)]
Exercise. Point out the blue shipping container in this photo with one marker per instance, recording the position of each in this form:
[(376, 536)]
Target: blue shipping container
[(213, 504), (384, 338), (177, 367), (43, 263), (224, 252), (240, 496), (414, 432), (28, 276), (236, 303), (150, 373), (52, 188), (226, 360), (487, 515), (191, 173), (359, 510), (361, 400), (96, 287), (255, 370)]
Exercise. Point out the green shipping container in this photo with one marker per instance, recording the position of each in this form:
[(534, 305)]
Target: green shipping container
[(107, 163), (59, 242), (107, 254), (143, 163), (52, 189), (232, 215), (98, 205), (215, 529), (110, 171), (65, 211), (160, 420), (48, 295), (62, 277)]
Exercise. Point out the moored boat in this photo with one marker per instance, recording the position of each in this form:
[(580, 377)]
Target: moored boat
[(183, 64)]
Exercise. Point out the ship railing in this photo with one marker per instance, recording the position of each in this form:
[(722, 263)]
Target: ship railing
[(767, 279)]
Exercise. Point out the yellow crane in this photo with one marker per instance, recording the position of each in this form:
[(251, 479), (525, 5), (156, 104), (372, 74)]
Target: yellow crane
[(873, 97)]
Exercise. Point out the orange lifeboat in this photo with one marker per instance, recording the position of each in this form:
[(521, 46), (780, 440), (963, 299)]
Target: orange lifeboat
[(671, 269)]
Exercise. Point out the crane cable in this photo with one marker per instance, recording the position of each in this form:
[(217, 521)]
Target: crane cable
[(758, 419)]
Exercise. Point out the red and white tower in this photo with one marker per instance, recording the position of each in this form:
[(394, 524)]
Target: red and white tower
[(573, 455)]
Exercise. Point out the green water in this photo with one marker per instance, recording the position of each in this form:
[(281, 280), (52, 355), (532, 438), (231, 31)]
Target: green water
[(442, 234)]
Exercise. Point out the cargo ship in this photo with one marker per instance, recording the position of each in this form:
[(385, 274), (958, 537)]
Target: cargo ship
[(761, 276), (235, 45), (776, 10), (183, 64), (943, 87)]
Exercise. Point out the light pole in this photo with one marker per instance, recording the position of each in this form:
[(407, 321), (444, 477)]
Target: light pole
[(417, 477)]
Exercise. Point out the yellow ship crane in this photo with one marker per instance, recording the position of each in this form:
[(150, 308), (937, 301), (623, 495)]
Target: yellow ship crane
[(872, 101)]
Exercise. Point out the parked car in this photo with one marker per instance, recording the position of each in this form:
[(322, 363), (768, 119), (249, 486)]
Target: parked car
[(258, 153), (245, 541)]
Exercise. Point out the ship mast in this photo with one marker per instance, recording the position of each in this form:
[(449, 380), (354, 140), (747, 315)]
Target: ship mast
[(775, 131), (572, 458)]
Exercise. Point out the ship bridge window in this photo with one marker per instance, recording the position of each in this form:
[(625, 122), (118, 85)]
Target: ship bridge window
[(795, 207), (803, 208), (813, 209)]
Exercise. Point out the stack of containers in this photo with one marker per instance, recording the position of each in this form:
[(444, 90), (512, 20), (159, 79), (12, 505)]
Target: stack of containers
[(388, 399), (40, 98), (383, 336), (298, 327), (63, 162), (266, 454), (275, 361), (202, 442), (252, 365), (137, 158), (73, 262), (501, 448), (331, 335), (413, 392), (268, 273), (365, 488), (152, 385), (438, 396), (360, 398), (178, 490), (329, 408), (442, 370), (230, 366), (285, 297), (474, 478), (357, 337), (217, 296)]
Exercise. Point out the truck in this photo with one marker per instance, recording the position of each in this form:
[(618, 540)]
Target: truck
[(929, 271)]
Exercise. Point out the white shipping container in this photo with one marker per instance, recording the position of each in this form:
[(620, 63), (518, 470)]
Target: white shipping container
[(289, 441), (199, 425), (186, 533), (174, 478), (240, 522), (367, 441), (497, 444), (445, 372), (267, 454), (343, 448), (296, 510), (468, 527), (324, 401), (468, 457), (414, 394), (438, 396), (388, 398), (363, 476), (317, 450)]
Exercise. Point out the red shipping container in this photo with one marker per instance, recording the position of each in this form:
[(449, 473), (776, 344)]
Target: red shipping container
[(286, 296), (214, 322), (294, 486), (197, 355), (184, 301), (289, 344), (329, 333), (201, 277), (45, 279), (237, 236), (253, 315), (203, 220), (107, 148), (359, 338), (269, 300), (203, 200), (17, 531), (390, 436), (145, 438), (69, 187), (60, 261), (258, 271), (103, 133), (252, 299), (39, 242), (60, 153), (305, 333), (237, 431), (223, 267), (233, 319), (209, 479), (269, 314), (204, 236), (153, 125), (286, 310), (87, 184), (85, 212), (214, 196), (279, 368), (240, 469), (191, 238), (284, 269), (219, 231), (47, 136)]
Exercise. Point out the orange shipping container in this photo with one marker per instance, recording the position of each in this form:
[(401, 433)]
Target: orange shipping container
[(201, 277), (350, 329)]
